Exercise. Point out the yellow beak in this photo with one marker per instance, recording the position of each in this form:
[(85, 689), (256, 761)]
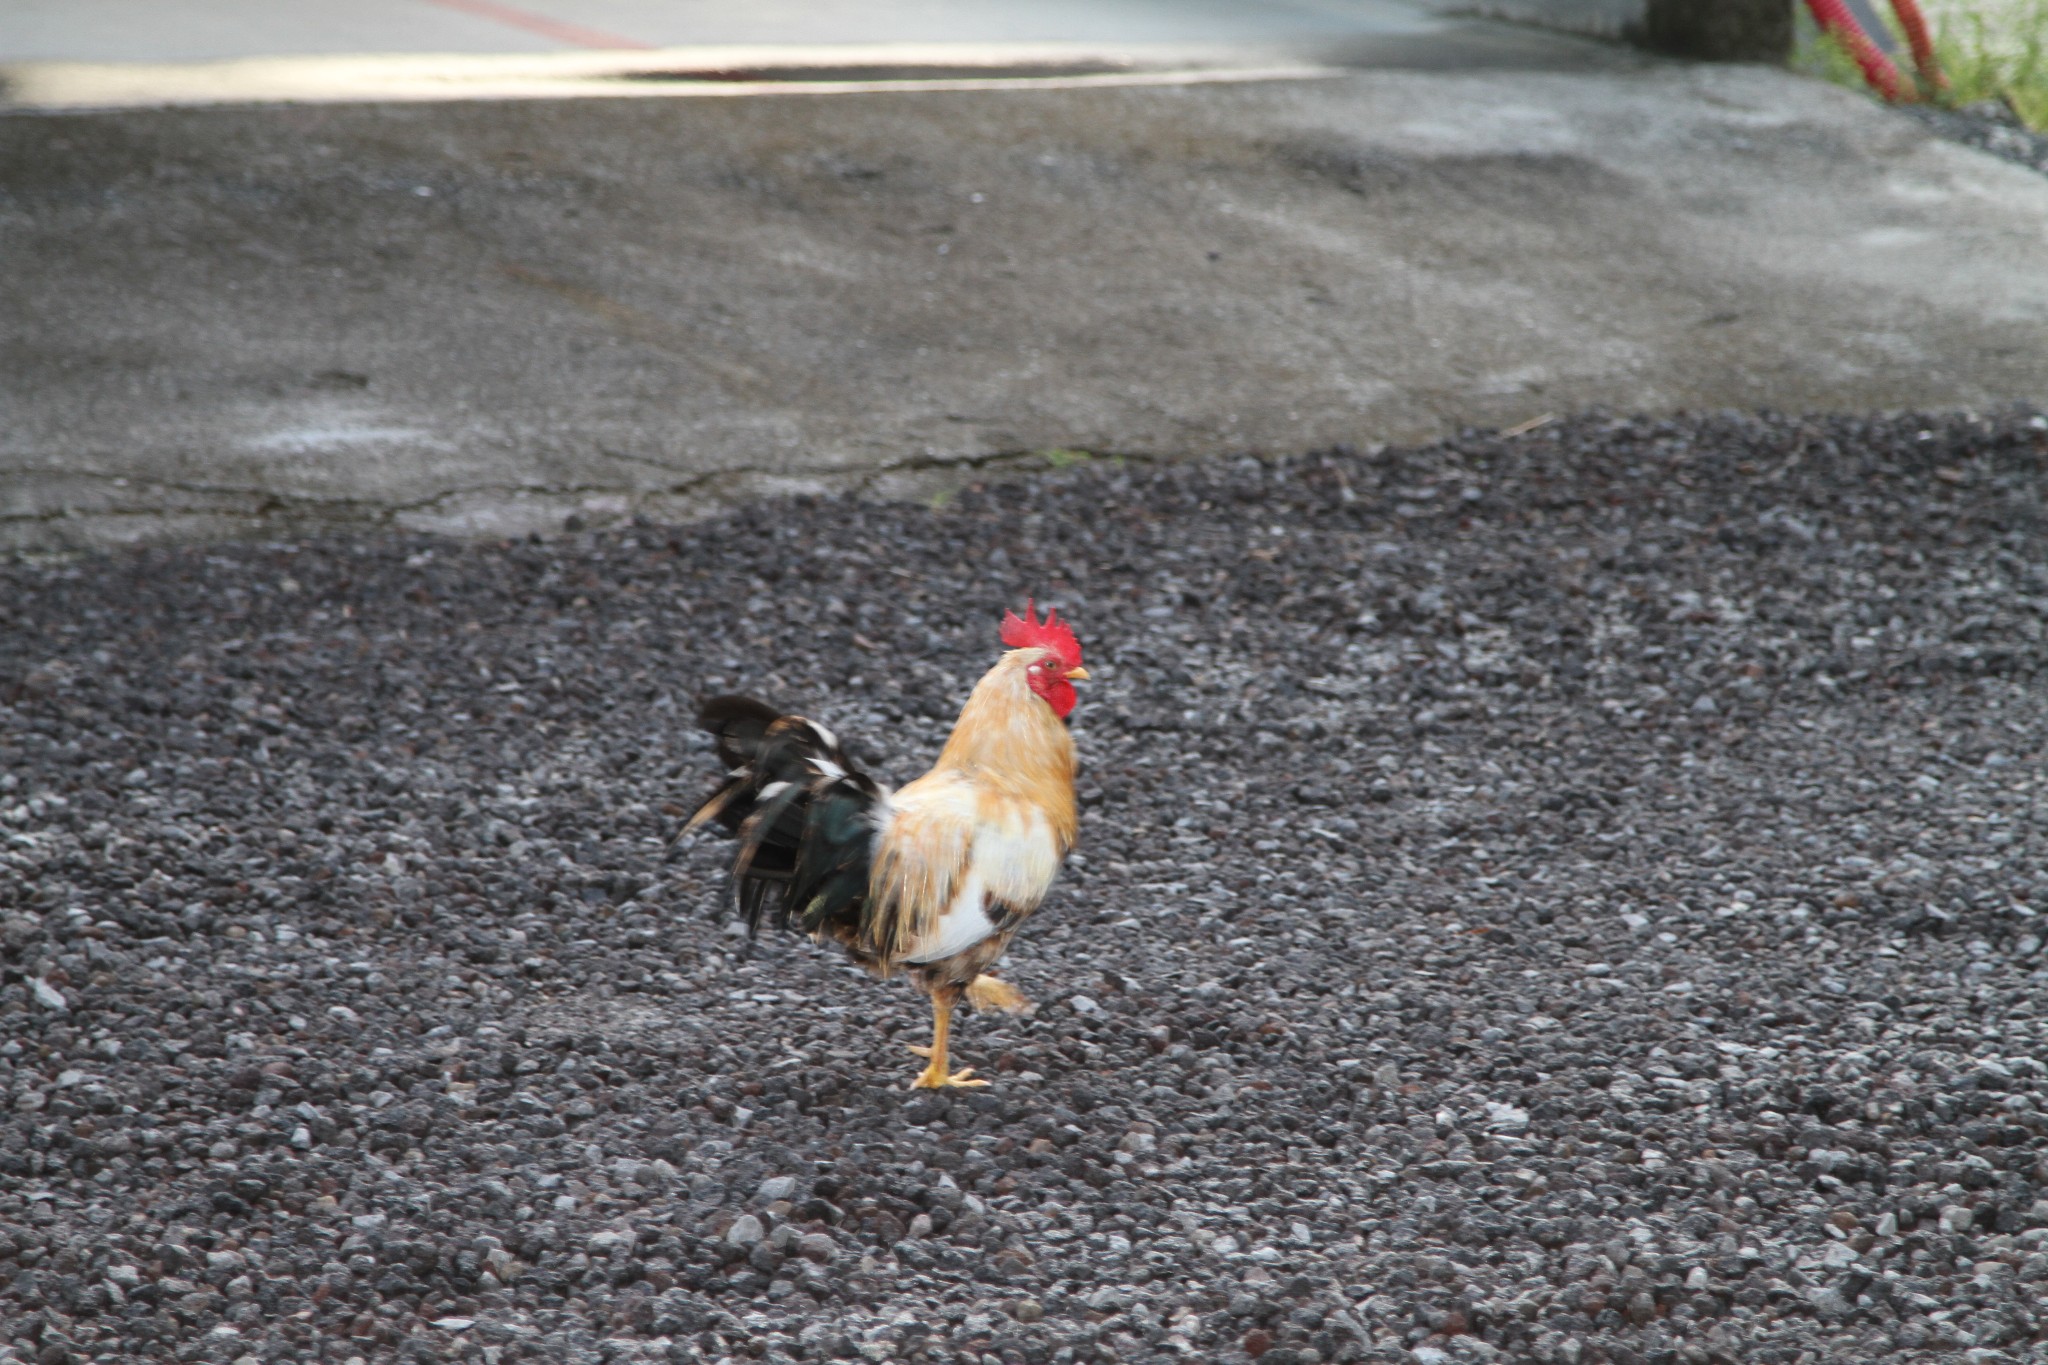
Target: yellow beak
[(1077, 675)]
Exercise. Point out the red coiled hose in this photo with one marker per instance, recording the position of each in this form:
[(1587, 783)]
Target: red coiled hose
[(1837, 22), (1917, 37)]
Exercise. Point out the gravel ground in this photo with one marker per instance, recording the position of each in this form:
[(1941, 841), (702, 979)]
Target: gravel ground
[(1568, 898), (1989, 126)]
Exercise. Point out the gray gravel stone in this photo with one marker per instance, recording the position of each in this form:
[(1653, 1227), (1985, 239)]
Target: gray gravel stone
[(1565, 1019)]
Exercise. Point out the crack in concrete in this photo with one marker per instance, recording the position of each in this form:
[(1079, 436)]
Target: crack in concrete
[(1004, 460), (263, 504)]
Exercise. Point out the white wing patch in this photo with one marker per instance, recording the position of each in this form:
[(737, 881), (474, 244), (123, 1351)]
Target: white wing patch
[(964, 924), (1014, 860), (1017, 856)]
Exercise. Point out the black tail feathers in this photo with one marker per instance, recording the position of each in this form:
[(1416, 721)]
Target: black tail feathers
[(804, 818)]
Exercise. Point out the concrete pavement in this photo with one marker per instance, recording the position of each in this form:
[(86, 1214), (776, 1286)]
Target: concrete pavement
[(492, 316)]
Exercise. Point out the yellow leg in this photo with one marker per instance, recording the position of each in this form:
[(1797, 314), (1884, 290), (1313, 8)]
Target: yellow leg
[(936, 1076)]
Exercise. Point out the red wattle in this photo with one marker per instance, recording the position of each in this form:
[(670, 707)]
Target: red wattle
[(1059, 694)]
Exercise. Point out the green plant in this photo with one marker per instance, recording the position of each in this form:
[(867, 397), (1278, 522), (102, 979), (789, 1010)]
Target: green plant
[(1819, 54), (1997, 54)]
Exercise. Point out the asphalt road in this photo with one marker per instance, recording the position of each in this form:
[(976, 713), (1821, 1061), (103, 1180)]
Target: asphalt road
[(494, 316)]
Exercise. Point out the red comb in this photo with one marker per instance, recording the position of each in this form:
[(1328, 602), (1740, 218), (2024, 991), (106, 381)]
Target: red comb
[(1051, 633)]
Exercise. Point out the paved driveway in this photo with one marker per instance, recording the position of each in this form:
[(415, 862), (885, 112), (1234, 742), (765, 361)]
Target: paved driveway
[(493, 315)]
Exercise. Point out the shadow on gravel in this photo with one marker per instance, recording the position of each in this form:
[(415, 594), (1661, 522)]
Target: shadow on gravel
[(1568, 898)]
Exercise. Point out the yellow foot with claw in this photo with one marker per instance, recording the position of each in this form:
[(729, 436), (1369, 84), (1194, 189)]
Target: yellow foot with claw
[(935, 1077), (939, 1080)]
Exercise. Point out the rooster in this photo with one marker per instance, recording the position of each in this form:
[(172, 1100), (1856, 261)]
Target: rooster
[(935, 877)]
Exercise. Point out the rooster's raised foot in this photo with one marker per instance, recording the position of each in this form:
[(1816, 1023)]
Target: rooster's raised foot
[(989, 993)]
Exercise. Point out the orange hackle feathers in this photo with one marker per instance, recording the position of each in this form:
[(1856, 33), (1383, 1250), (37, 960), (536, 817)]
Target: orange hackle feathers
[(998, 807)]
